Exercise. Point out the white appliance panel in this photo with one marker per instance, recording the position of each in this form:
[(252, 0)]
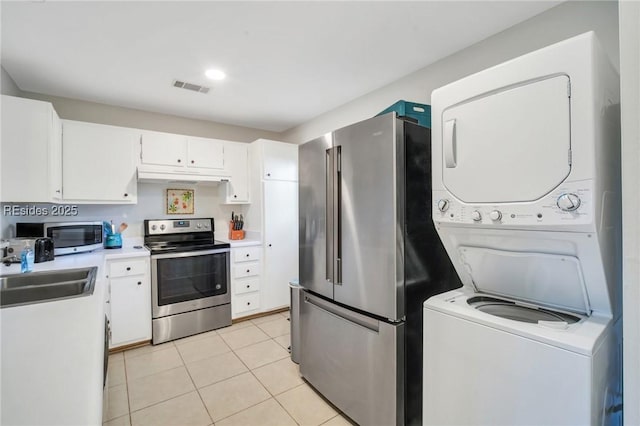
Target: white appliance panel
[(474, 374), (510, 145), (544, 279)]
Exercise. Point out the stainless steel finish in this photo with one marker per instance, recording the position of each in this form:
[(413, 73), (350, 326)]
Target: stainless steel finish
[(333, 244), (366, 354), (372, 194), (191, 305), (313, 261), (294, 319), (160, 227), (38, 287), (16, 245), (189, 323)]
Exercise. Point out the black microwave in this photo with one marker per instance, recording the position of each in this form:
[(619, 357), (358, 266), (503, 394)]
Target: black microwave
[(68, 237)]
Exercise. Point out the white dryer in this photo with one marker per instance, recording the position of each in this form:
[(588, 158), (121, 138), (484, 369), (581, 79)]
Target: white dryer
[(526, 186)]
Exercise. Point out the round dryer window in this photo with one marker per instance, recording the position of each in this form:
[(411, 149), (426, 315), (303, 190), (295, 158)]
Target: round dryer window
[(509, 145), (510, 310)]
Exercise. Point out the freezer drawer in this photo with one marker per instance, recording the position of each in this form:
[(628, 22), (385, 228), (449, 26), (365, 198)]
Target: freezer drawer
[(355, 361)]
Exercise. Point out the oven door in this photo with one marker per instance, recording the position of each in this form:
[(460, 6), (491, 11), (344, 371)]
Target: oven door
[(184, 282)]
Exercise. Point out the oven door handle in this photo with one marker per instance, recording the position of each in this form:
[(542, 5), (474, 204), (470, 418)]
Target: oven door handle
[(189, 253)]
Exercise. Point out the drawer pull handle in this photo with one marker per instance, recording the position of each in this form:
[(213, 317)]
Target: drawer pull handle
[(128, 268), (248, 270), (248, 286), (248, 303), (247, 255), (139, 282)]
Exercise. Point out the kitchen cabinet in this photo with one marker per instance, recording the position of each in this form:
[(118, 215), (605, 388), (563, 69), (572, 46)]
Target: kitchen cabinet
[(236, 155), (30, 151), (246, 269), (279, 160), (99, 163), (130, 285), (182, 154), (281, 241), (273, 213)]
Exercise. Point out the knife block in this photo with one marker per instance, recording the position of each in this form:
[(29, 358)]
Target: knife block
[(235, 234)]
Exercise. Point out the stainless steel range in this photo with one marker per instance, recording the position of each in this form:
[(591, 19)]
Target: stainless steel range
[(189, 278)]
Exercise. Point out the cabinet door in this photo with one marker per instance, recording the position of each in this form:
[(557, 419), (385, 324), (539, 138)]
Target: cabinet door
[(99, 163), (280, 160), (163, 149), (237, 164), (130, 310), (55, 157), (205, 153), (27, 136), (281, 242)]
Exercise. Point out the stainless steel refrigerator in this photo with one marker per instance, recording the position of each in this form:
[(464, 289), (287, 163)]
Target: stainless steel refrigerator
[(369, 258)]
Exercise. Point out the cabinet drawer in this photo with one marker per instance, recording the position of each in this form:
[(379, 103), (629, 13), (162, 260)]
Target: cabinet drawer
[(128, 267), (246, 286), (245, 254), (246, 302), (247, 270)]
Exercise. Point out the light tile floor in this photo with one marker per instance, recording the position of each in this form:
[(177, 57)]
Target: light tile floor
[(240, 375)]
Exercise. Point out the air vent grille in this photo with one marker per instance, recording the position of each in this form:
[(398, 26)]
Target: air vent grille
[(190, 86)]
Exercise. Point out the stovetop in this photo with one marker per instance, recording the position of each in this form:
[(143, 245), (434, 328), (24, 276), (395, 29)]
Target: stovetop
[(181, 235)]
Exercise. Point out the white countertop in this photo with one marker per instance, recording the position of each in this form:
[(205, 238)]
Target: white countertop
[(52, 352), (252, 238)]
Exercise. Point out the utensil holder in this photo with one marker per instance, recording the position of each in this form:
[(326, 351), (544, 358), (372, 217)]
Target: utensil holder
[(113, 241), (235, 234)]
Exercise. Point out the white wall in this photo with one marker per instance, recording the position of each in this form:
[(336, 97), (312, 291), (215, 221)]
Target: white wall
[(151, 205), (7, 85), (566, 20), (630, 111)]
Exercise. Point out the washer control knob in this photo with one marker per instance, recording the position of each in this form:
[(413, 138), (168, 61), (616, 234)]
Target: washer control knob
[(476, 216), (162, 227), (154, 227), (495, 215), (443, 205), (568, 202)]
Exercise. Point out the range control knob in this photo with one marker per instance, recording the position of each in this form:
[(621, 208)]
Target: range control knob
[(476, 216), (199, 226), (162, 227), (443, 205), (154, 227), (495, 215), (568, 202)]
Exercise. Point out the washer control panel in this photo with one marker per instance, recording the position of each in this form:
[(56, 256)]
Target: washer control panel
[(570, 203)]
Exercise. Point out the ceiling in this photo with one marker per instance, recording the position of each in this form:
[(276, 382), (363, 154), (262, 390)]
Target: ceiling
[(287, 62)]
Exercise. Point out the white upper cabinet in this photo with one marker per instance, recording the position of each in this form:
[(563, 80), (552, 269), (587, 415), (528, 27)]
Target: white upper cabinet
[(237, 164), (178, 154), (99, 163), (30, 151), (163, 149), (205, 153), (280, 160)]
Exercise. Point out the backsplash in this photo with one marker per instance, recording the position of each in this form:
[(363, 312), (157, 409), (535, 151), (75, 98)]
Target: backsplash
[(151, 204)]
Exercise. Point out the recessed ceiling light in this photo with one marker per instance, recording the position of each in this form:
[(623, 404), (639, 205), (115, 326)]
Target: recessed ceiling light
[(214, 74)]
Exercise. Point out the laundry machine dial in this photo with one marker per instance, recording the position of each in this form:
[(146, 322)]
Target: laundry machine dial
[(568, 202), (476, 216), (495, 215), (443, 205)]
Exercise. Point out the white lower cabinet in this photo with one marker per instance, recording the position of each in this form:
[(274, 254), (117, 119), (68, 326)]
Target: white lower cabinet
[(246, 268), (130, 284)]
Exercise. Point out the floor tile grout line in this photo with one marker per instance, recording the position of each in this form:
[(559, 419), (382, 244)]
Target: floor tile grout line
[(164, 400), (196, 387)]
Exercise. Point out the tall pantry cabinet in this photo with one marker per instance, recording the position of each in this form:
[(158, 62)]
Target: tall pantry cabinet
[(274, 213)]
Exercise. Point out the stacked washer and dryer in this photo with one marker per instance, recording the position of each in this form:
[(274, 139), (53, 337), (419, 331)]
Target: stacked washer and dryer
[(526, 192)]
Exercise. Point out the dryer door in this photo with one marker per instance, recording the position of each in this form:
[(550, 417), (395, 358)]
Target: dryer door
[(512, 145)]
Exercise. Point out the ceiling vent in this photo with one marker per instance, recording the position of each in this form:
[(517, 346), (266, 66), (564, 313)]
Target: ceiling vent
[(190, 86)]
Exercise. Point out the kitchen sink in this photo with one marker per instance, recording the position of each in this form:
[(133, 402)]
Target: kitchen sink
[(46, 286)]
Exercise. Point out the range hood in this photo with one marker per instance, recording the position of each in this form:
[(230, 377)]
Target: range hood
[(165, 176)]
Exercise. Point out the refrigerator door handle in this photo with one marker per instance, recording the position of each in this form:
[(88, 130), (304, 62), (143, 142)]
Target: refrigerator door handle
[(343, 313), (329, 188), (333, 263)]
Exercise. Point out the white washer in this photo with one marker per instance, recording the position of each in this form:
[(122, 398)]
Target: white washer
[(526, 201)]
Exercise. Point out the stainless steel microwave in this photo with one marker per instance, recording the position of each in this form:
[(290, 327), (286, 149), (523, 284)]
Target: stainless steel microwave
[(68, 237)]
